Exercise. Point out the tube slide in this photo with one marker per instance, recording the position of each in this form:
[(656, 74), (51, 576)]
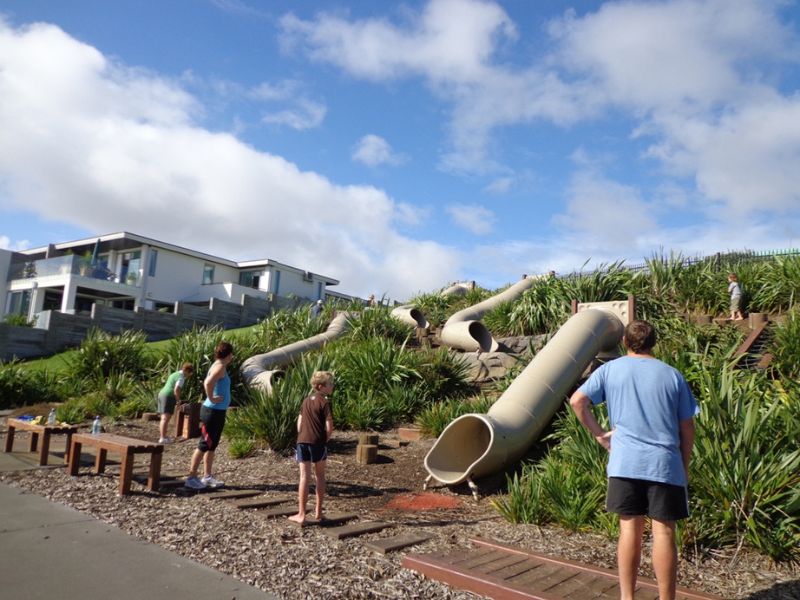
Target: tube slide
[(411, 315), (476, 445), (255, 370), (464, 330)]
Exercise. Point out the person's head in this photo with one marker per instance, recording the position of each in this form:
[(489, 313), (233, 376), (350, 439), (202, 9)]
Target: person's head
[(640, 337), (322, 381), (187, 369), (224, 350), (319, 302), (733, 277)]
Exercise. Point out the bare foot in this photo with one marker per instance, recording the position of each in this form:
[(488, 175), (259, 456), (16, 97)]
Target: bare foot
[(298, 518), (319, 517)]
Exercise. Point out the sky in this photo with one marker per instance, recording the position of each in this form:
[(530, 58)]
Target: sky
[(400, 146)]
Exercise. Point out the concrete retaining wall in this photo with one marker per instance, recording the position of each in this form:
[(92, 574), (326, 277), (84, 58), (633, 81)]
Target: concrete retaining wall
[(56, 331)]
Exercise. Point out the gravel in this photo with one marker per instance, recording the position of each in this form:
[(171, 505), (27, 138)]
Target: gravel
[(292, 562)]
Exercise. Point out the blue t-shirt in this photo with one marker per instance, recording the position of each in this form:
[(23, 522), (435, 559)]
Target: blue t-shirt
[(646, 400), (221, 388)]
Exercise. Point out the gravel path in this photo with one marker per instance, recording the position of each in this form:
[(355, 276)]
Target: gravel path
[(294, 562)]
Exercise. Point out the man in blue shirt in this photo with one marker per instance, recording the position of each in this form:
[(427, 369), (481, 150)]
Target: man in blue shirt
[(651, 410)]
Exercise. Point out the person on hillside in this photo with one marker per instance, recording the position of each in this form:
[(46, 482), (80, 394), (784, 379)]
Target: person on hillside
[(735, 290), (651, 410), (217, 386), (169, 396), (371, 303), (314, 429), (316, 308)]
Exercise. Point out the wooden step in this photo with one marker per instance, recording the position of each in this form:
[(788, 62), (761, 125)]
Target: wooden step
[(356, 529), (498, 570), (228, 494), (275, 513), (398, 542), (258, 502), (330, 520)]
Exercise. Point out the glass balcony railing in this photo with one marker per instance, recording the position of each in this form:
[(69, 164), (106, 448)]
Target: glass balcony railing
[(65, 265)]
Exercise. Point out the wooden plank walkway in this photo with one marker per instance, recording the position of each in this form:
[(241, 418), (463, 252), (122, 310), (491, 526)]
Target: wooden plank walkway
[(503, 572)]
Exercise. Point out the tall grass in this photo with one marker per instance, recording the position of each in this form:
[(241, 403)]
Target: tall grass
[(101, 354), (20, 386)]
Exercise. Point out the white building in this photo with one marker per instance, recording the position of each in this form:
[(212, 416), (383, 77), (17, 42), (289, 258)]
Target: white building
[(125, 270)]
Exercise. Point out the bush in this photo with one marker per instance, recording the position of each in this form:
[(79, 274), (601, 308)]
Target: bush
[(101, 354), (434, 419), (18, 320), (72, 411), (785, 346), (241, 447), (21, 387)]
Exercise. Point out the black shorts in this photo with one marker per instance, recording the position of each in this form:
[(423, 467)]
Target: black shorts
[(637, 497), (212, 422), (311, 452)]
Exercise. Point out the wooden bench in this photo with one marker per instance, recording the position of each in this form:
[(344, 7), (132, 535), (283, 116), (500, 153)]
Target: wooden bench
[(36, 430), (124, 446)]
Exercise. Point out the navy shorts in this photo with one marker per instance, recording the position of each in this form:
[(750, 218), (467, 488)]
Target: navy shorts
[(637, 497), (212, 422), (166, 404), (311, 452)]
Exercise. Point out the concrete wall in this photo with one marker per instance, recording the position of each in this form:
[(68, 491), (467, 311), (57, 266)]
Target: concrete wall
[(5, 263), (56, 331)]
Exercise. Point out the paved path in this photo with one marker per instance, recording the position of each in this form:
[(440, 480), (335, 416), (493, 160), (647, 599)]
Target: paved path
[(48, 550)]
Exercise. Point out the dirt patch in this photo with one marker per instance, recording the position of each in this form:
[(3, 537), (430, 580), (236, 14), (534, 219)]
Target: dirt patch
[(424, 501)]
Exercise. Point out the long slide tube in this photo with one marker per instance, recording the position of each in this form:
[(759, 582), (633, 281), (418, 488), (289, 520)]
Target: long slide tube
[(476, 445), (463, 330), (256, 369), (411, 315)]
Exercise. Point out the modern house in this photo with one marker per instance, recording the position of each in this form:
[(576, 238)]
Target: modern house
[(125, 270)]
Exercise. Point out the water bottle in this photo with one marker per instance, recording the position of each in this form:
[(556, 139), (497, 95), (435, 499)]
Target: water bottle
[(51, 418), (96, 426)]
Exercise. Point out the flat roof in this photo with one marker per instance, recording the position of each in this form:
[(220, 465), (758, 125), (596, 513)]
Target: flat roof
[(121, 240)]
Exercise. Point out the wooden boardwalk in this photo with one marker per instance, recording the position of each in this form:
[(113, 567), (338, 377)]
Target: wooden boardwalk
[(504, 572)]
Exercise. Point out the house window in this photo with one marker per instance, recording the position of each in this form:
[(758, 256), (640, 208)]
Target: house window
[(319, 290), (208, 274), (151, 270), (277, 282), (250, 279), (19, 303)]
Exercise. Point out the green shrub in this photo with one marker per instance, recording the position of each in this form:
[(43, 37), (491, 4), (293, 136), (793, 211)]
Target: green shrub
[(443, 374), (18, 320), (241, 447), (101, 354), (435, 418), (377, 322), (72, 411), (785, 346), (20, 386)]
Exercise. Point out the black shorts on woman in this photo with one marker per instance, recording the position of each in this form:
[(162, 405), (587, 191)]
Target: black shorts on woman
[(212, 422)]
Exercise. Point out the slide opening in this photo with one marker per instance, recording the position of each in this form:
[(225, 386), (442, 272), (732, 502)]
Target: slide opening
[(465, 441), (417, 315), (480, 334)]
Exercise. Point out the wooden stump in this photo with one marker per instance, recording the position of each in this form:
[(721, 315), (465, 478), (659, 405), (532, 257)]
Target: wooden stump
[(366, 454), (366, 439)]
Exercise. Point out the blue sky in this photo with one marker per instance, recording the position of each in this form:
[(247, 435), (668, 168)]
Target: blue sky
[(401, 146)]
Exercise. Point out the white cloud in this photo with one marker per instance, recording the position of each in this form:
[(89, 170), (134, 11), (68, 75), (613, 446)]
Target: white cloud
[(472, 217), (306, 114), (372, 150), (6, 243), (694, 78), (604, 213), (107, 148), (501, 185)]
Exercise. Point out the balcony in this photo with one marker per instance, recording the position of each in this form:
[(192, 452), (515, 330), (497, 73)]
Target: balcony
[(66, 265)]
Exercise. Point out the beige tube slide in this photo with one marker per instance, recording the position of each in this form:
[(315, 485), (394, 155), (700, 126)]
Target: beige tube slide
[(411, 315), (476, 445), (463, 330), (256, 369)]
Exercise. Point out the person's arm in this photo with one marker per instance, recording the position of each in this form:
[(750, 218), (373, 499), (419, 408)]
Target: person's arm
[(215, 373), (686, 431), (299, 420), (328, 428), (177, 392), (581, 404)]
